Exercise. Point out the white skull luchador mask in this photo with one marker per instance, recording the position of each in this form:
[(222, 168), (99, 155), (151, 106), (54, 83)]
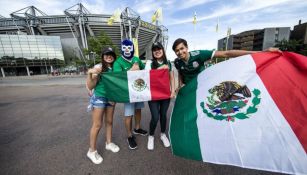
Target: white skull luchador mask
[(127, 49)]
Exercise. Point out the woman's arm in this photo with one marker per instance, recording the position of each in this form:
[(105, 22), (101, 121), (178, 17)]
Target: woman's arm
[(92, 77), (172, 81)]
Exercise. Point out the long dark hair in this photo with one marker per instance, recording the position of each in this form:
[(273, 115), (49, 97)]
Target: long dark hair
[(155, 63), (104, 67)]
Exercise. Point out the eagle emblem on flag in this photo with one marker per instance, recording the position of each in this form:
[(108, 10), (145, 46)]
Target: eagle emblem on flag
[(229, 100), (139, 85)]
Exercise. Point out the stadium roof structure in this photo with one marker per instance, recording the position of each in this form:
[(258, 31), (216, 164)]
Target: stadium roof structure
[(77, 22)]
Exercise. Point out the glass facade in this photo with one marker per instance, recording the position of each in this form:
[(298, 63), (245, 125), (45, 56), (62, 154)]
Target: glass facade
[(30, 54), (31, 47)]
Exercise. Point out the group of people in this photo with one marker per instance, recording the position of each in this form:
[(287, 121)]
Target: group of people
[(188, 64)]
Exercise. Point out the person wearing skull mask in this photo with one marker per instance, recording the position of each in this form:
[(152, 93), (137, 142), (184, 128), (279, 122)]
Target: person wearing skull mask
[(128, 62)]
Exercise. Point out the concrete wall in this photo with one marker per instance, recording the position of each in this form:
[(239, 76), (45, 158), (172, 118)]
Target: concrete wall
[(221, 45), (300, 32), (284, 33), (272, 35), (268, 38)]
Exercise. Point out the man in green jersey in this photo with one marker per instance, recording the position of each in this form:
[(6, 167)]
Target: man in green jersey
[(190, 64), (128, 62)]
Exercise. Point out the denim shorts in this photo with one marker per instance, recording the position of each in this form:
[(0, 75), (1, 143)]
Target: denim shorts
[(98, 102), (131, 107)]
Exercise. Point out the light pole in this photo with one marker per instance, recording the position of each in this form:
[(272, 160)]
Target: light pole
[(93, 54)]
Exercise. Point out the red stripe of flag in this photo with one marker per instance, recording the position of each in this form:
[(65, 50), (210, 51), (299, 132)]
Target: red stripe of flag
[(286, 81), (159, 84)]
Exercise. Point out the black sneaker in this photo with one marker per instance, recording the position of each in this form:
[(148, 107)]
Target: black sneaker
[(131, 142), (140, 132)]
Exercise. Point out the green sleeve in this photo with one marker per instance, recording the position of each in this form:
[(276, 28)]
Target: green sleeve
[(205, 55), (117, 67), (141, 64)]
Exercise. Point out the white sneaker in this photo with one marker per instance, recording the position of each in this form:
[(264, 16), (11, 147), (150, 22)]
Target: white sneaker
[(112, 147), (165, 140), (150, 144), (94, 156)]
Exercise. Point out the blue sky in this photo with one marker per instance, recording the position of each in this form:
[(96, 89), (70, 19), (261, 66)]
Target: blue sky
[(240, 15)]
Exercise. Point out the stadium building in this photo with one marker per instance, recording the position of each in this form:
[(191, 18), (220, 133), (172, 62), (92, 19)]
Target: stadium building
[(32, 42)]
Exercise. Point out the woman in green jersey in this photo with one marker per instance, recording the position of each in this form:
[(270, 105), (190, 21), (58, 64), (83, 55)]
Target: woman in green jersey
[(100, 105)]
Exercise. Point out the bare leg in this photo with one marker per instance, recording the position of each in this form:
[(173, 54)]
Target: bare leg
[(109, 123), (128, 124), (137, 116), (96, 126)]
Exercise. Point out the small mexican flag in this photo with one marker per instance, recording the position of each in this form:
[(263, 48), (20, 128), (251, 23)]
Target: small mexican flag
[(249, 111), (137, 86)]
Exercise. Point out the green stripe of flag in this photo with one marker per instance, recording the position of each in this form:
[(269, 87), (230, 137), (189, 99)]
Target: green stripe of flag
[(183, 126), (116, 85)]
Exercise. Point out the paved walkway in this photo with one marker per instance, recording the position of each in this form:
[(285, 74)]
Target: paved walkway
[(40, 80), (44, 129)]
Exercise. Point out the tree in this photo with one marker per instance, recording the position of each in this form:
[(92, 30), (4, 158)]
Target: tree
[(292, 46), (96, 44)]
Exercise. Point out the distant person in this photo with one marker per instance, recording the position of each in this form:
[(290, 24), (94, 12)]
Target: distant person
[(101, 106), (127, 61), (190, 64), (158, 108)]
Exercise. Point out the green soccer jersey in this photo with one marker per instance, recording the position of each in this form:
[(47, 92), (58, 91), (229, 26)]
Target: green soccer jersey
[(100, 89), (168, 63), (122, 64), (189, 70)]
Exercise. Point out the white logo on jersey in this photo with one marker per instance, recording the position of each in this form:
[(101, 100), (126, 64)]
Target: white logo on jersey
[(195, 52), (195, 64)]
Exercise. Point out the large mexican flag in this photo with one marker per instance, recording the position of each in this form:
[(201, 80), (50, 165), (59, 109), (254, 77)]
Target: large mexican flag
[(137, 86), (249, 111)]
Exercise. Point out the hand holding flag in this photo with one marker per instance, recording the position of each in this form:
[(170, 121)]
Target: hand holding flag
[(137, 86)]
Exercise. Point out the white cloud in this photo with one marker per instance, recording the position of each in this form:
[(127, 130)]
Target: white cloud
[(169, 2), (244, 7), (54, 7), (146, 6), (263, 15), (282, 17), (240, 15), (11, 7), (97, 7), (185, 4)]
